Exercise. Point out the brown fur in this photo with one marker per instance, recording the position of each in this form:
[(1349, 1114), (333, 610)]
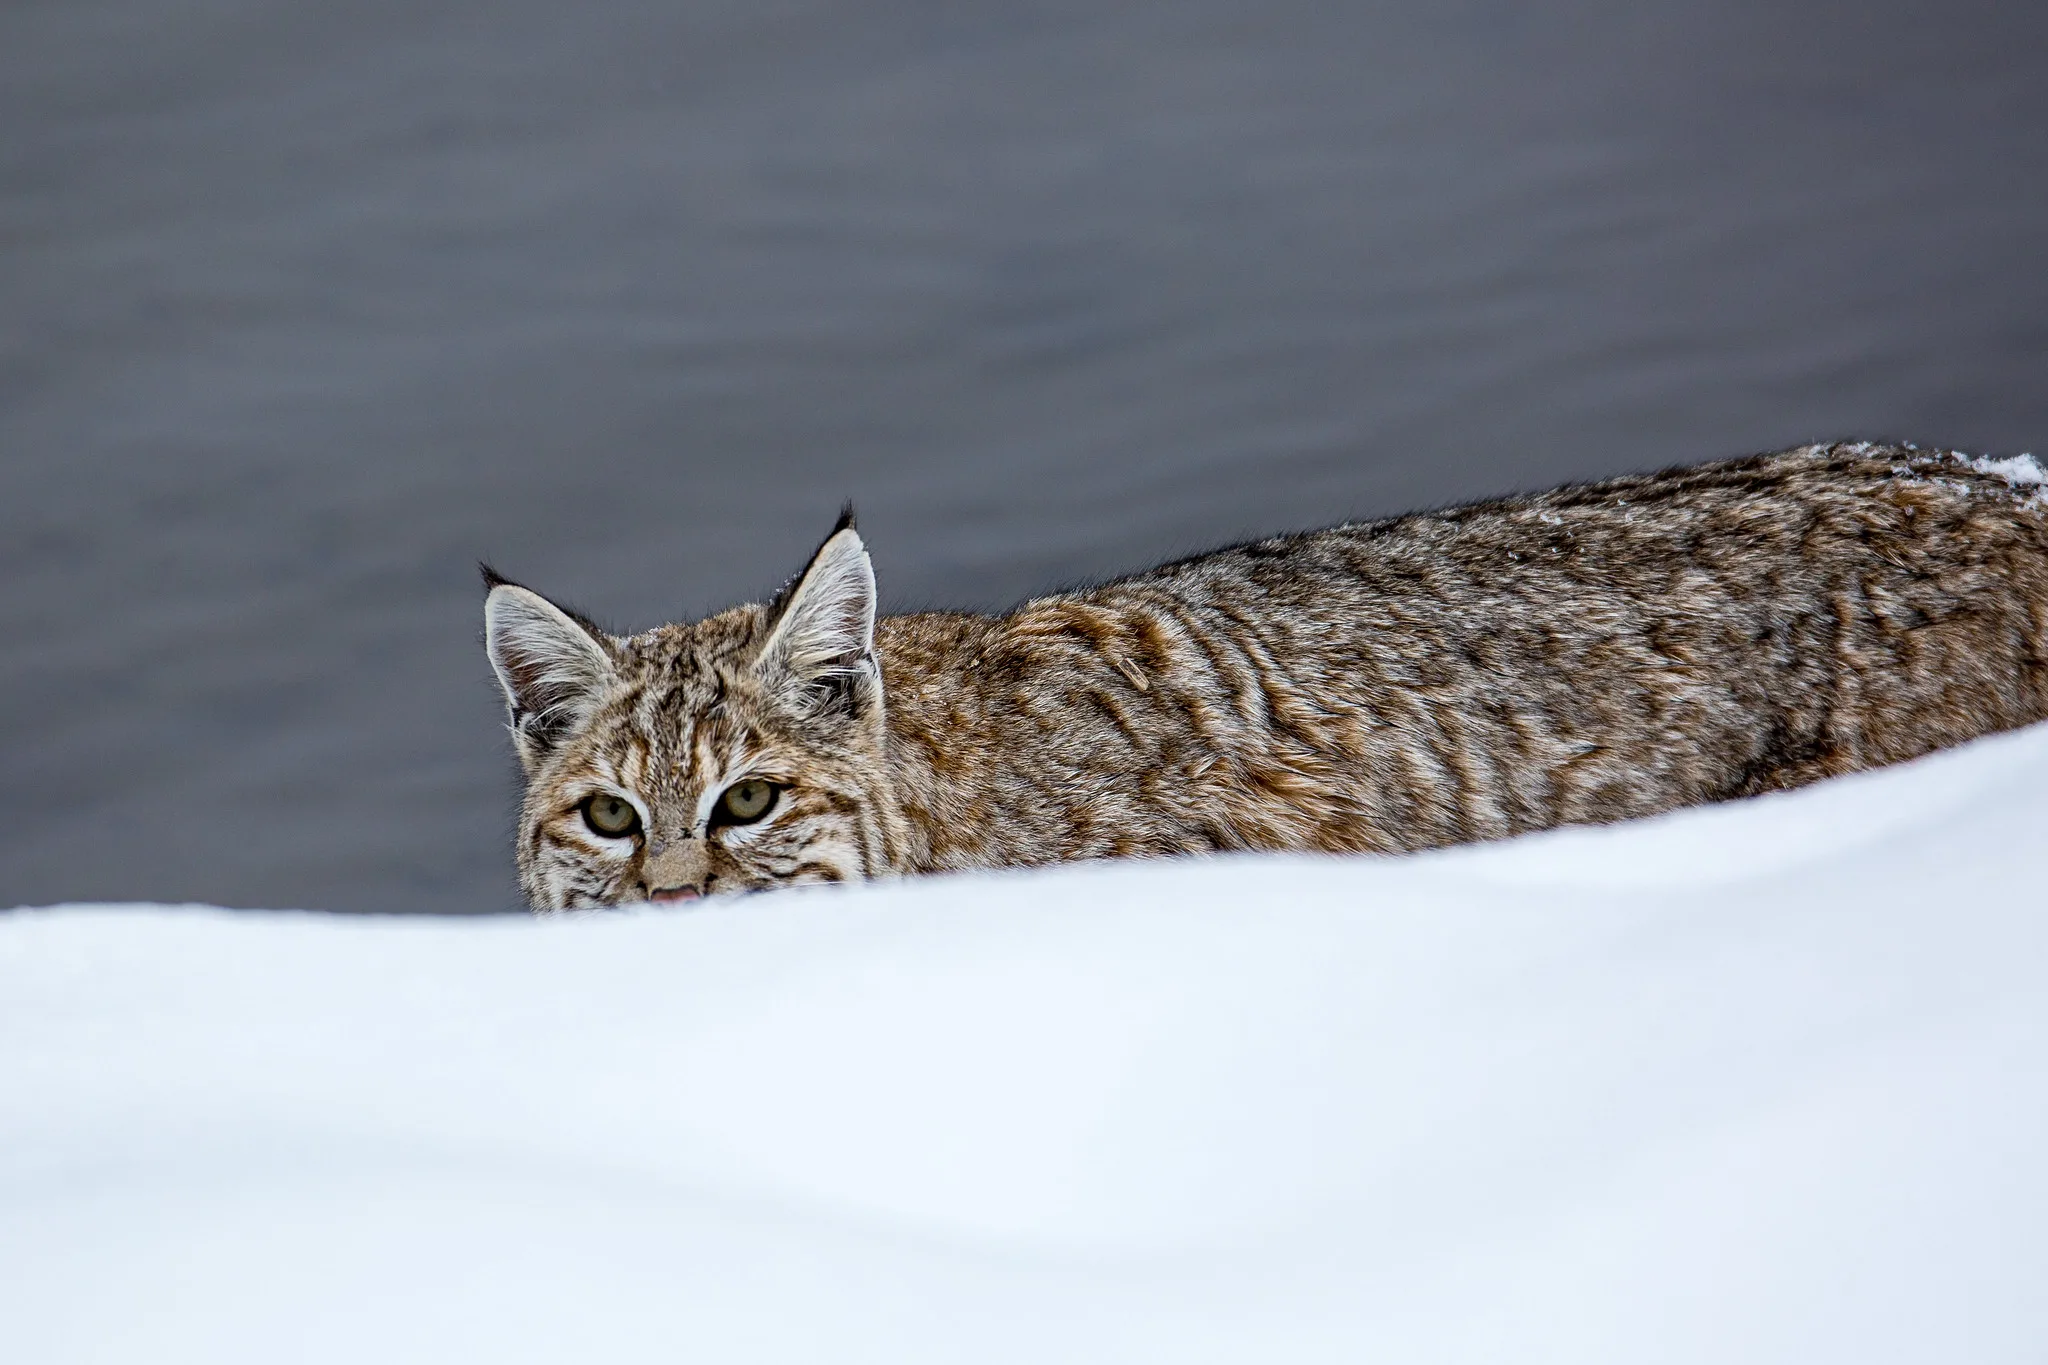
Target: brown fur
[(1590, 654)]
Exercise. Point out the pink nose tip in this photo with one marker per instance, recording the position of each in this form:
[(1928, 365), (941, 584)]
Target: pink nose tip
[(675, 893)]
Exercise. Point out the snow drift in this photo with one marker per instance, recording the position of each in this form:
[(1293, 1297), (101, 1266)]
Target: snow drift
[(1763, 1082)]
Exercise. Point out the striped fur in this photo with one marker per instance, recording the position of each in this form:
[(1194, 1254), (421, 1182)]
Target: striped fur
[(1590, 654)]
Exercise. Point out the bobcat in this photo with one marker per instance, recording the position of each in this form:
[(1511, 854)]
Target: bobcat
[(1590, 654)]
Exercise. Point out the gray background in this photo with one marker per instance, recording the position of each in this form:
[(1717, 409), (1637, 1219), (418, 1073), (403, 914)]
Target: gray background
[(304, 308)]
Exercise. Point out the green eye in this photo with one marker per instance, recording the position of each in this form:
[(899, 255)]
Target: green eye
[(745, 802), (609, 816)]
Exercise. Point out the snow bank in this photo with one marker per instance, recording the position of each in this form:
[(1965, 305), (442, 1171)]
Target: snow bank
[(1764, 1082)]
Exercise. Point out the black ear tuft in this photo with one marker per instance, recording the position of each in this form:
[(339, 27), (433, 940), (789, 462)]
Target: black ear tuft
[(492, 578), (845, 519)]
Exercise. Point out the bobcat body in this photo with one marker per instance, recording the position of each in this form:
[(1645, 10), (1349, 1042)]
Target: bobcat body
[(1589, 654)]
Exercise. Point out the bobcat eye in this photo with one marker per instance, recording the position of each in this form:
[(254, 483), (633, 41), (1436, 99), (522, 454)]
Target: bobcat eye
[(745, 802), (609, 816)]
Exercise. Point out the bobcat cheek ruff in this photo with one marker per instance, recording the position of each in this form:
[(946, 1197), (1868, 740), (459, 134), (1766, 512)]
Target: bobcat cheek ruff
[(1589, 654)]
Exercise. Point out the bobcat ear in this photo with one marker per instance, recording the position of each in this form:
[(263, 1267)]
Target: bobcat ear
[(823, 640), (552, 665)]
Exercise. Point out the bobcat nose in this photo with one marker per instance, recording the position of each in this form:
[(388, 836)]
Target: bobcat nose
[(680, 871)]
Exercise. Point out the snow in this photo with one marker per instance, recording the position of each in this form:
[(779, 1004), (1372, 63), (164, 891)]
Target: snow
[(1761, 1082), (2019, 471)]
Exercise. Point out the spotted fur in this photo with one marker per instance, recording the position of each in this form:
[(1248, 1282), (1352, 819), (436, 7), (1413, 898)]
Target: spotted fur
[(1585, 655)]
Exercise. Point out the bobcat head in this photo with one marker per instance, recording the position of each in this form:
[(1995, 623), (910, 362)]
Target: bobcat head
[(741, 752)]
